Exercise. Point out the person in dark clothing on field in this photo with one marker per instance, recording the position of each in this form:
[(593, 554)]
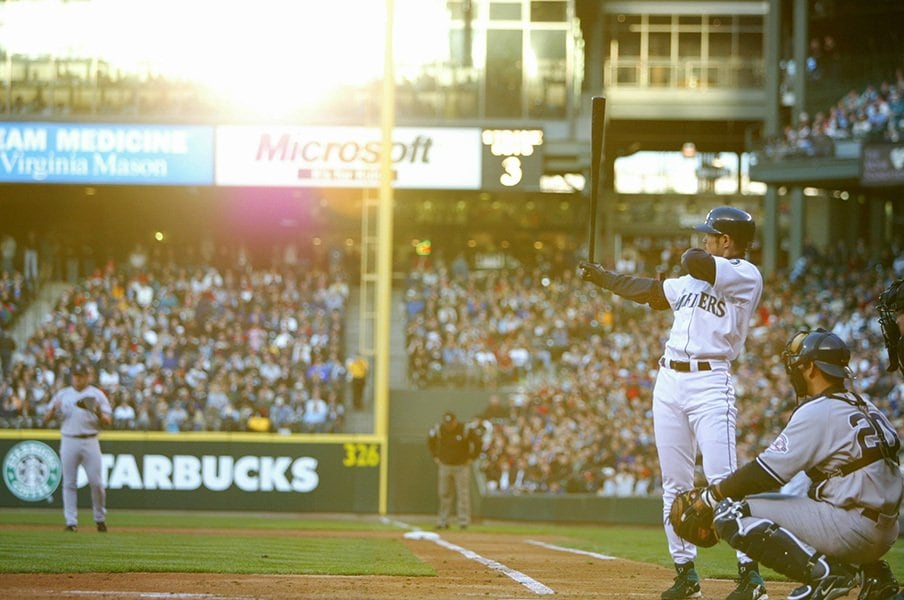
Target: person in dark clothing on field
[(454, 445)]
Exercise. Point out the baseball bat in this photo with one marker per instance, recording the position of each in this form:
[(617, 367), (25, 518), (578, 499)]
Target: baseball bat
[(597, 133)]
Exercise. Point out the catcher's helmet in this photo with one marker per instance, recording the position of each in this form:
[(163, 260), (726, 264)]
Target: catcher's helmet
[(822, 348), (730, 221)]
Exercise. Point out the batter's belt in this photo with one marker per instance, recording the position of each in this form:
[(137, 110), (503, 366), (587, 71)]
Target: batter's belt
[(686, 367), (83, 435)]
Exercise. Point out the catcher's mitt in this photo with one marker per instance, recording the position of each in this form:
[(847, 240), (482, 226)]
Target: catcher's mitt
[(692, 518)]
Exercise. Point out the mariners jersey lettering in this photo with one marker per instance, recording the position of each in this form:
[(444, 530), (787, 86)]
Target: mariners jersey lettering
[(78, 421), (711, 321), (828, 433)]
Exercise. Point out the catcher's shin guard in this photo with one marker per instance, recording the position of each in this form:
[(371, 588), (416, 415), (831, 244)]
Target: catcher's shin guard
[(771, 545)]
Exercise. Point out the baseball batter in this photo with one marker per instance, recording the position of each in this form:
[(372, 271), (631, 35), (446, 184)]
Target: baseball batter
[(693, 398), (849, 450), (83, 410)]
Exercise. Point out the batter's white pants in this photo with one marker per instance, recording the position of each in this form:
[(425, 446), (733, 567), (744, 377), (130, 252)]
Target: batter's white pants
[(693, 411)]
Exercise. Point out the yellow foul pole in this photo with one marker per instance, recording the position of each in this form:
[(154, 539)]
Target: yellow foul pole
[(384, 259)]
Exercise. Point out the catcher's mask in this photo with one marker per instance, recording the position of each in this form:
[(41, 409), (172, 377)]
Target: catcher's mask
[(890, 305), (821, 348)]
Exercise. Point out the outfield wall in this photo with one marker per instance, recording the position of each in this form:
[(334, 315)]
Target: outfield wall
[(204, 472), (297, 473), (412, 474)]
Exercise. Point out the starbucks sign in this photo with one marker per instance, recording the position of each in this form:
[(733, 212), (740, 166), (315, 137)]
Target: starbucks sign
[(32, 471)]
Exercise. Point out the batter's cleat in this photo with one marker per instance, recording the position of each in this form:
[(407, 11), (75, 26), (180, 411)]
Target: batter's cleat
[(877, 582), (750, 584), (72, 528), (687, 584), (102, 527), (442, 526)]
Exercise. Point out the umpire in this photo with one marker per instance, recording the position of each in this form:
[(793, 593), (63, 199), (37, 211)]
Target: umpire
[(453, 446)]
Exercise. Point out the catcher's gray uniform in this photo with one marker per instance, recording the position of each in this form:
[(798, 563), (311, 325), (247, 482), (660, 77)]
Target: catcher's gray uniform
[(82, 410), (849, 450)]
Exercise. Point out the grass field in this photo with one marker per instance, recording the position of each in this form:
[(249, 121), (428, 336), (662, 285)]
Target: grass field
[(33, 541)]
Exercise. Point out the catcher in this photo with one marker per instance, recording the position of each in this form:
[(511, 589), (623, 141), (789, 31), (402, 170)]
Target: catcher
[(849, 450)]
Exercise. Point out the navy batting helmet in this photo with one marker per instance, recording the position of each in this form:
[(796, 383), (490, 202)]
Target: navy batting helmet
[(822, 348), (733, 222)]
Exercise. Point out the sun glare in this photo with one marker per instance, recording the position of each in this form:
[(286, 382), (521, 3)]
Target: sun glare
[(267, 54)]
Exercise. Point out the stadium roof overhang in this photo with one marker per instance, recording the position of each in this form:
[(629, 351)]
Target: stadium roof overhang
[(821, 172)]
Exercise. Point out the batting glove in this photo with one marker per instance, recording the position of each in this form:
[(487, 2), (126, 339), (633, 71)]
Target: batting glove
[(594, 273)]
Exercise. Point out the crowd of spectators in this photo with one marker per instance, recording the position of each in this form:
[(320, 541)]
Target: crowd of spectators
[(582, 363), (571, 367), (875, 113), (18, 279), (193, 348)]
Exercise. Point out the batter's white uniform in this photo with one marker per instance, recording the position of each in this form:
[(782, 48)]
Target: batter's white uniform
[(79, 445), (694, 398)]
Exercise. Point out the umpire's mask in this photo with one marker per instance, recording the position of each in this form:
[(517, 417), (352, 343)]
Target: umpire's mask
[(890, 305), (791, 358)]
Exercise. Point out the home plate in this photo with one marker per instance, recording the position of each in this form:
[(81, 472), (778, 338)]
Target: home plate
[(421, 535)]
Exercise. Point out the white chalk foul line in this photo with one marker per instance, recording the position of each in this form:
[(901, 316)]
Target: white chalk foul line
[(528, 582), (572, 550), (395, 523)]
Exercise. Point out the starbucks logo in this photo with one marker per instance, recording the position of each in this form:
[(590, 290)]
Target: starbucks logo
[(32, 471)]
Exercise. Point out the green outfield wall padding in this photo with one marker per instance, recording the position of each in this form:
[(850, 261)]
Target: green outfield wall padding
[(180, 475), (412, 474), (328, 474), (413, 412), (412, 490)]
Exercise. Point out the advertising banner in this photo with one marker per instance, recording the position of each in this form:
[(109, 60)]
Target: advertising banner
[(882, 165), (347, 157), (333, 476), (101, 153)]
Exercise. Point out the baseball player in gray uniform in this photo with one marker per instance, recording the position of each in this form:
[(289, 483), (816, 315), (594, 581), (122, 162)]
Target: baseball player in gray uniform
[(693, 398), (83, 410), (849, 450)]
